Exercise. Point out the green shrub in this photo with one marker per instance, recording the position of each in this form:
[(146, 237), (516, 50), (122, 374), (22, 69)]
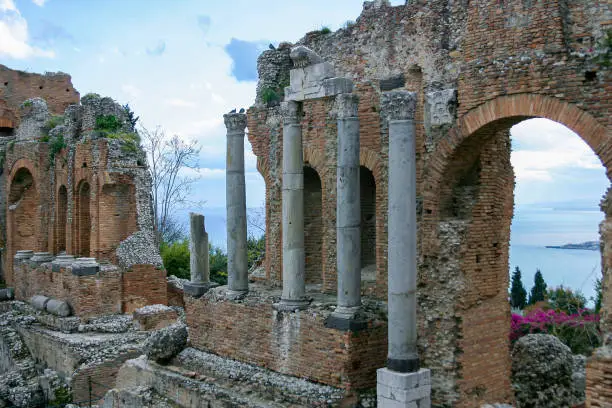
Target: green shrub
[(53, 122), (130, 141), (269, 95), (218, 265), (63, 396), (107, 123), (176, 258), (324, 30), (565, 300), (348, 24), (256, 249), (56, 146)]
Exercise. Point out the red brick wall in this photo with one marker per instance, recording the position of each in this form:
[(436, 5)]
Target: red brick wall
[(17, 86), (599, 380), (292, 343), (143, 285)]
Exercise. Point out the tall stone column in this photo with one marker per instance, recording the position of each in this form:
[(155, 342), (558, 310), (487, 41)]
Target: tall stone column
[(348, 215), (294, 284), (235, 193), (198, 258), (402, 383)]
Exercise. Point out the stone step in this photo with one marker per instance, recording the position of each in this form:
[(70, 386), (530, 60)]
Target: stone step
[(195, 378)]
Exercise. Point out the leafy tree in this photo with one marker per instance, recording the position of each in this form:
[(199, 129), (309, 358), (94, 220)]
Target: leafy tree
[(217, 259), (598, 295), (518, 293), (565, 300), (538, 291), (132, 118), (176, 258)]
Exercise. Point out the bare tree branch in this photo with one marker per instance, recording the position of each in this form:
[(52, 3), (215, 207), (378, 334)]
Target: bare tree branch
[(167, 156)]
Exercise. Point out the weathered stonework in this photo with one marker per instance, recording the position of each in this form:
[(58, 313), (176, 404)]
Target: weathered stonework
[(477, 69)]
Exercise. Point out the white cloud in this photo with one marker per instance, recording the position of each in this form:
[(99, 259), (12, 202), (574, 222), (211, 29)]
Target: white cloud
[(39, 3), (131, 90), (181, 103), (545, 146), (14, 34)]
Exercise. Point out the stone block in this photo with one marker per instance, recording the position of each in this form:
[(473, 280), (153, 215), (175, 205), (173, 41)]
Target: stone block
[(39, 302), (58, 308), (395, 389), (198, 289), (7, 294), (440, 107), (154, 317), (320, 89), (303, 77)]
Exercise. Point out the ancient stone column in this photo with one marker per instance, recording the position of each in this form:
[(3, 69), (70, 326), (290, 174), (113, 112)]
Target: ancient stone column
[(198, 260), (235, 195), (402, 383), (402, 257), (348, 214), (294, 286)]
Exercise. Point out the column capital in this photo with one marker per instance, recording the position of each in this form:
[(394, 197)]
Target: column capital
[(290, 111), (346, 105), (398, 105), (235, 122)]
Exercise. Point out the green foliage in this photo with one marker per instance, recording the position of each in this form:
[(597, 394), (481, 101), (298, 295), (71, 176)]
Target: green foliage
[(217, 260), (269, 95), (107, 123), (565, 300), (598, 295), (11, 146), (176, 258), (256, 249), (57, 144), (132, 118), (324, 30), (131, 141), (53, 122), (349, 24), (63, 396), (518, 294), (538, 291), (27, 104)]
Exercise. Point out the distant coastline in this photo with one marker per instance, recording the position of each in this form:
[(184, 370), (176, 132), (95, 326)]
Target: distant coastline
[(589, 246)]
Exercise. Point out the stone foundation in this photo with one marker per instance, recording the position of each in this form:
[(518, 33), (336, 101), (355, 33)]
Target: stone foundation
[(599, 379), (293, 343)]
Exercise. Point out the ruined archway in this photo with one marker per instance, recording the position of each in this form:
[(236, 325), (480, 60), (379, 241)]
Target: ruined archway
[(22, 232), (368, 224), (61, 212), (313, 225), (83, 220), (471, 201)]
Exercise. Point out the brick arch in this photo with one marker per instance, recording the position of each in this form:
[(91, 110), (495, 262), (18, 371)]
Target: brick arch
[(523, 106), (315, 158), (263, 168), (477, 148)]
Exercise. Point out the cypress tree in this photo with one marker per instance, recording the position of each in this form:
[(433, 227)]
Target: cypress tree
[(538, 292), (518, 294)]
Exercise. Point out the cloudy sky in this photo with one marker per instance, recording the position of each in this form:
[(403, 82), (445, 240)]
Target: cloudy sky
[(182, 64)]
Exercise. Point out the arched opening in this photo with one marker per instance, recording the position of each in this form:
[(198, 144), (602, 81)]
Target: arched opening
[(313, 225), (6, 131), (475, 207), (368, 224), (61, 219), (22, 217), (83, 220)]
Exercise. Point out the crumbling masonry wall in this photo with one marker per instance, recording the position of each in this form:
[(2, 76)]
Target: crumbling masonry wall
[(478, 68), (76, 188)]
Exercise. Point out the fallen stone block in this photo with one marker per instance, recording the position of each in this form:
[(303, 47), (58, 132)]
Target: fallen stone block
[(58, 308), (39, 302), (166, 343), (7, 294)]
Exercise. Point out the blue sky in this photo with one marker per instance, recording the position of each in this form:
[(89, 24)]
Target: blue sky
[(182, 64)]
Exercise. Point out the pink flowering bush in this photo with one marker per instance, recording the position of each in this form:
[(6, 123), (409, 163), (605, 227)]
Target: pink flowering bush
[(579, 331)]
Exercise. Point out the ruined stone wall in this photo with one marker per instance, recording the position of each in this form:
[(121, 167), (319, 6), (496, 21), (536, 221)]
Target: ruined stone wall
[(297, 344), (478, 68), (17, 86)]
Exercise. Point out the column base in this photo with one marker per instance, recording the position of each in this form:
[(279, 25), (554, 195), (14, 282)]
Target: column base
[(409, 390), (408, 365), (196, 290), (291, 305), (346, 319), (231, 294)]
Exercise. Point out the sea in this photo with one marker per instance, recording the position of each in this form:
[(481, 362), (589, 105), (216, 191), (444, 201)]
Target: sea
[(533, 228)]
